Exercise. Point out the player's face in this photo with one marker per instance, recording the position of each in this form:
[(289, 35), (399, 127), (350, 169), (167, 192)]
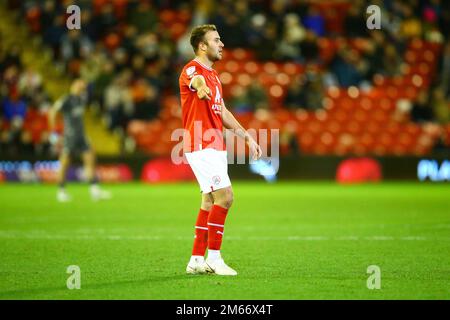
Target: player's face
[(214, 46), (78, 87)]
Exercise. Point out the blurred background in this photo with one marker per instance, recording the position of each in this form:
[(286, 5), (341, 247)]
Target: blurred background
[(351, 104)]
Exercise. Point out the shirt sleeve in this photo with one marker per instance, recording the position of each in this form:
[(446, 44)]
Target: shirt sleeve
[(188, 75)]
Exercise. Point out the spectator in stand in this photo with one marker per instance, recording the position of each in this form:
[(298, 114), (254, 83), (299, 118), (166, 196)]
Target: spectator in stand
[(118, 102), (288, 140), (421, 111), (244, 14), (146, 101), (54, 34), (153, 74), (90, 26), (184, 49), (257, 96), (10, 80), (40, 101), (276, 12), (411, 26), (121, 60), (14, 109), (249, 99), (106, 21), (239, 101), (14, 112), (75, 45), (26, 145), (444, 18), (138, 65), (162, 78), (103, 80), (129, 39), (305, 92), (92, 66), (295, 97), (29, 84), (314, 21), (148, 46), (2, 53), (293, 34), (266, 46), (255, 31), (309, 48), (346, 67), (391, 61), (3, 132), (43, 146), (48, 13), (444, 67), (12, 58), (355, 22), (232, 29), (440, 106), (218, 15), (201, 12), (373, 52), (144, 17)]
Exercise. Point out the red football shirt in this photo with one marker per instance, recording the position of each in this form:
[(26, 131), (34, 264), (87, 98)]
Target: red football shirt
[(202, 119)]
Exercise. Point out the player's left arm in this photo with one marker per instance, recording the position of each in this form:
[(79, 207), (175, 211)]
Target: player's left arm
[(230, 122), (52, 115)]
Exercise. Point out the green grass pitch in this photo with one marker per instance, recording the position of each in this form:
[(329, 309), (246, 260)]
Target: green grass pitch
[(302, 240)]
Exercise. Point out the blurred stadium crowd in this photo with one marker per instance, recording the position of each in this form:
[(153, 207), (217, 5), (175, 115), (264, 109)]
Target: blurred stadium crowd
[(310, 68)]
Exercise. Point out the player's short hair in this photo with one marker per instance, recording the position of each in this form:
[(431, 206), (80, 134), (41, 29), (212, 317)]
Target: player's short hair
[(198, 34)]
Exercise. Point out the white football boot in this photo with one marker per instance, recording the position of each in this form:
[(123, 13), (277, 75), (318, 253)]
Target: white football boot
[(219, 267), (63, 196), (99, 194), (196, 265)]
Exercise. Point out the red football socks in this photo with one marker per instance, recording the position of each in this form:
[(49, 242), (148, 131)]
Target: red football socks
[(201, 234), (216, 222)]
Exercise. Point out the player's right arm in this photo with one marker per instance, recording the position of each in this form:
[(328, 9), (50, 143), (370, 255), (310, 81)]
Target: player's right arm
[(198, 83), (53, 112)]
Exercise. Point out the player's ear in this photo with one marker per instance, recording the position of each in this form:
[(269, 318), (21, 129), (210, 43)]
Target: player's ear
[(202, 45)]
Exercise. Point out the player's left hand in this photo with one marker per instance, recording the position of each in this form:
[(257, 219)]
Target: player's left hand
[(255, 150)]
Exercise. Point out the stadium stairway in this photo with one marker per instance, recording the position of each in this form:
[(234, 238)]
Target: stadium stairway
[(56, 82)]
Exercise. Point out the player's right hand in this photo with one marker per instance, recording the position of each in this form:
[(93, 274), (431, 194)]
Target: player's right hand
[(53, 138), (203, 93)]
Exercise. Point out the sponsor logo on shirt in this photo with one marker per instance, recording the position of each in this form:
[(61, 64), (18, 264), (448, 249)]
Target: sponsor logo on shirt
[(190, 71), (217, 106)]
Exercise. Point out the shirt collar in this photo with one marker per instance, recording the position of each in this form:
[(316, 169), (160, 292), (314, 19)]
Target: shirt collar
[(204, 66)]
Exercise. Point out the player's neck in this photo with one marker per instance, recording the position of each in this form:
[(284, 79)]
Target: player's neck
[(205, 61)]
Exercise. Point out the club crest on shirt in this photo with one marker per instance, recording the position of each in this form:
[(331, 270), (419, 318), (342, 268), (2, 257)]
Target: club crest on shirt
[(216, 180), (190, 71)]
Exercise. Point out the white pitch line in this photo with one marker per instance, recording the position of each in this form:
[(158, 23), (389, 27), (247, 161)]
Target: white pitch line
[(39, 234)]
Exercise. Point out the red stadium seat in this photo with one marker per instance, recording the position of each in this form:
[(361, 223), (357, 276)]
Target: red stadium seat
[(167, 16), (270, 68), (252, 67), (307, 142)]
